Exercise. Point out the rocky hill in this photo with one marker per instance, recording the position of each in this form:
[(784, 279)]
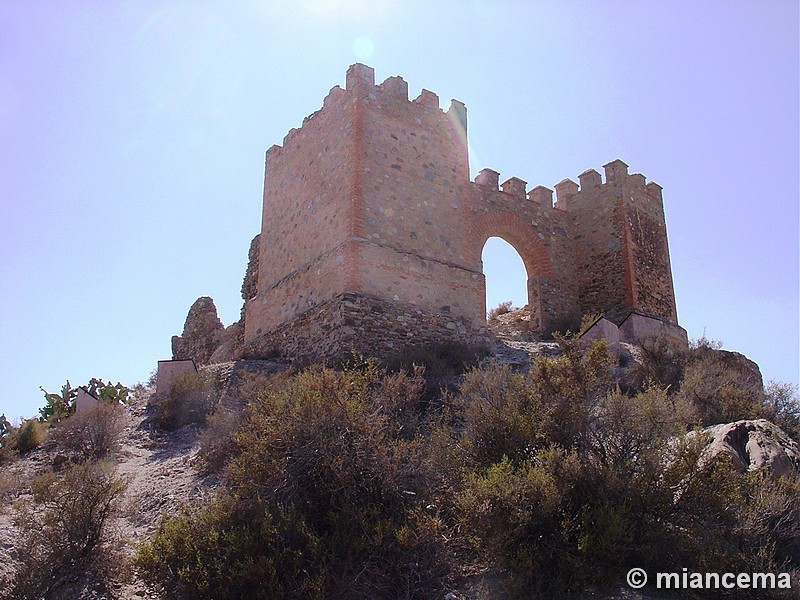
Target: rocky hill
[(163, 470)]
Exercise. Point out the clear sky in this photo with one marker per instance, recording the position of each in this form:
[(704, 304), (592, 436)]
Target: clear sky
[(132, 140)]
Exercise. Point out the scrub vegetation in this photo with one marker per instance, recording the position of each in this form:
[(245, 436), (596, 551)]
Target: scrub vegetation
[(358, 483)]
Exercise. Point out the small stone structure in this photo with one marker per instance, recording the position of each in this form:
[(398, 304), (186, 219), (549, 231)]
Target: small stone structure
[(602, 329), (85, 400), (372, 234), (168, 371), (636, 327)]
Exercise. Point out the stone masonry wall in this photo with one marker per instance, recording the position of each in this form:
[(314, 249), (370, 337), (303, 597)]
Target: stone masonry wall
[(621, 249), (306, 216), (371, 199), (541, 234)]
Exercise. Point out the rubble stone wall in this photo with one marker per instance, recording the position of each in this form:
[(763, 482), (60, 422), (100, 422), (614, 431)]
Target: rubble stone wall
[(356, 324)]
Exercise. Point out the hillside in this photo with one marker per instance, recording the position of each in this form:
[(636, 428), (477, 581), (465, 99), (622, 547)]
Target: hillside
[(393, 428), (158, 468)]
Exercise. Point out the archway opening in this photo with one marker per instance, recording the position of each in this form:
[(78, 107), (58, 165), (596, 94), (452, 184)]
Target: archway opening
[(505, 273)]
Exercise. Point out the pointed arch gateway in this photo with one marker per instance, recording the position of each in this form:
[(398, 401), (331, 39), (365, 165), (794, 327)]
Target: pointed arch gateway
[(525, 239)]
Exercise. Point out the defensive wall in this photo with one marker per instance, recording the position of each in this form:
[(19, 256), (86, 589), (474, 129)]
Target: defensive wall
[(368, 209)]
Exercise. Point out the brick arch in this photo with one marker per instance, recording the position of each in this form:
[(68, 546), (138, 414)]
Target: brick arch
[(520, 234), (524, 238)]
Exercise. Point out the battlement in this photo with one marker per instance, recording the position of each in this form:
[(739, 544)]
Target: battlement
[(567, 191), (359, 75), (360, 81)]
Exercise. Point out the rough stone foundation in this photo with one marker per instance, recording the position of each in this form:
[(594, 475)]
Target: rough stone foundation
[(363, 325)]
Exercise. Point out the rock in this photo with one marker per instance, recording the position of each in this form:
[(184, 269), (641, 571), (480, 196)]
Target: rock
[(754, 445), (200, 333), (250, 283), (517, 324)]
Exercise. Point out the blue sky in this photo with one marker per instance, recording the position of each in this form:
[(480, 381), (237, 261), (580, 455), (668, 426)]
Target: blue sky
[(132, 140)]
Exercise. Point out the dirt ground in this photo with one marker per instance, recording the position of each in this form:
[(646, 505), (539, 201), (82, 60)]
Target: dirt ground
[(160, 474)]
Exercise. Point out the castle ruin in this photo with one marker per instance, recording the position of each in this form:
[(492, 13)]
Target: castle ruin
[(372, 234)]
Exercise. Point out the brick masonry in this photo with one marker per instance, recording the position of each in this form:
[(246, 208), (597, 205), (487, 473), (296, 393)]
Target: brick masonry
[(369, 214)]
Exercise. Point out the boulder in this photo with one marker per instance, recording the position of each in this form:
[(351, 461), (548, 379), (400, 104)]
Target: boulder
[(754, 445)]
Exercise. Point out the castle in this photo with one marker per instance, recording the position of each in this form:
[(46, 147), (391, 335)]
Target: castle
[(372, 234)]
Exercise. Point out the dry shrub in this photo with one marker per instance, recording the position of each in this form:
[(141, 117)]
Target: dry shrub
[(10, 485), (722, 386), (324, 500), (252, 385), (8, 449), (501, 309), (562, 482), (218, 440), (64, 529), (443, 363), (782, 405), (663, 363), (90, 434), (218, 443), (501, 414), (190, 400), (344, 485), (28, 436)]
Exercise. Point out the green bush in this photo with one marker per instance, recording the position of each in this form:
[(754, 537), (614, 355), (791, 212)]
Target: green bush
[(346, 484), (562, 482), (5, 429), (232, 549), (8, 450), (515, 512)]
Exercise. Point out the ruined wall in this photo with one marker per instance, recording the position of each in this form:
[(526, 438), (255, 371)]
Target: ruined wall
[(201, 333), (371, 199)]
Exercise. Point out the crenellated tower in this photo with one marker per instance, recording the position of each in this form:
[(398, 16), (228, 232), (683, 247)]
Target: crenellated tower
[(621, 243), (372, 233)]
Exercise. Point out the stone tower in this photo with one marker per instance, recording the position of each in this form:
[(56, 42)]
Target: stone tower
[(372, 233)]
